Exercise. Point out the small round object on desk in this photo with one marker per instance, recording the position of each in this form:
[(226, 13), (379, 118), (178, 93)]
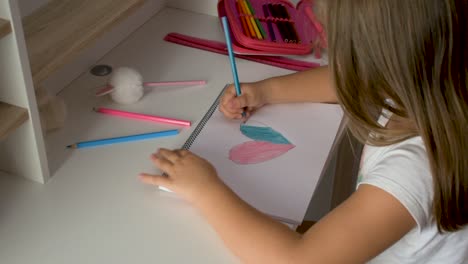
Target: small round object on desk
[(101, 70), (127, 84)]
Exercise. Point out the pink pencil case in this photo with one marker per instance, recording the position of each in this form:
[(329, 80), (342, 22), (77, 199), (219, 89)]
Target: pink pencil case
[(287, 29)]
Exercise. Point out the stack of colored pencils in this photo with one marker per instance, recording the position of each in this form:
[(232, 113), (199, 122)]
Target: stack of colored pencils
[(275, 14)]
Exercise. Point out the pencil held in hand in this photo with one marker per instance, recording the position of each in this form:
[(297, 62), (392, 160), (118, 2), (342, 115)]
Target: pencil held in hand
[(227, 34)]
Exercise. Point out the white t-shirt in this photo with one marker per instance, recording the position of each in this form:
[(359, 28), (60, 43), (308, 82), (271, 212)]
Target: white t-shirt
[(403, 171)]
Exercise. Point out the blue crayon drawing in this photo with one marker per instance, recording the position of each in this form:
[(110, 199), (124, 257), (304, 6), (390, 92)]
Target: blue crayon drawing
[(263, 134)]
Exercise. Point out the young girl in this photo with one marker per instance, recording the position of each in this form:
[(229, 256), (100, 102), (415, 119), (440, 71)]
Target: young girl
[(406, 60)]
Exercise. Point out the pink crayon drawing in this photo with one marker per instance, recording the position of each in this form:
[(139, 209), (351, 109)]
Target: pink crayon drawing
[(252, 152), (267, 145)]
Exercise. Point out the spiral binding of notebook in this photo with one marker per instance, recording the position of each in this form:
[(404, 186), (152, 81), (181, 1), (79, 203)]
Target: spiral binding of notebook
[(203, 122)]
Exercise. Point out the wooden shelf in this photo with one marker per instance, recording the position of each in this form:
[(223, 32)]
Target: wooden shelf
[(5, 27), (56, 32), (11, 117)]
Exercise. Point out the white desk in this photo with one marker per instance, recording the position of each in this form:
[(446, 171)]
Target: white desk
[(94, 210)]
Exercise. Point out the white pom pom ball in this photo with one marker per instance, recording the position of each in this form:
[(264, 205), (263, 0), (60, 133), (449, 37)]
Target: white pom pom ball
[(128, 85)]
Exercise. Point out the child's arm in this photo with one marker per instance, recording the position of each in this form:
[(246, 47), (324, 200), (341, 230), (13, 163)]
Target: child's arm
[(313, 85), (367, 223)]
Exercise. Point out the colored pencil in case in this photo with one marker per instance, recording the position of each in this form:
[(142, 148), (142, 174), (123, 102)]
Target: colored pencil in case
[(259, 24), (251, 19), (152, 118), (290, 24), (243, 20), (246, 18), (279, 24), (232, 60), (269, 23), (117, 140), (286, 25)]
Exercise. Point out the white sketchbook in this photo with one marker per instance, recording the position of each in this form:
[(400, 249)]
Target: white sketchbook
[(281, 187)]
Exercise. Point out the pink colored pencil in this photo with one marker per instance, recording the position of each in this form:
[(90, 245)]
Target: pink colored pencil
[(158, 119), (175, 83), (108, 88)]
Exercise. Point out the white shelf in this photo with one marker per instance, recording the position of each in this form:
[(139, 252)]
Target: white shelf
[(11, 117), (20, 126), (33, 49), (59, 30)]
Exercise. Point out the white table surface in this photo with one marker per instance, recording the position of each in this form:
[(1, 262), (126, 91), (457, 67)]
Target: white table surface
[(94, 209)]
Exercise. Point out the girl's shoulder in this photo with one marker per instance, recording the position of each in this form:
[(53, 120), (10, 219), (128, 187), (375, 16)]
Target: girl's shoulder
[(403, 170), (411, 149)]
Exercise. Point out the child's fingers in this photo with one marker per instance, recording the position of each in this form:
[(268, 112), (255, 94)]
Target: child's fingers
[(228, 94), (230, 105), (223, 109), (156, 180), (231, 90), (162, 163), (170, 155), (183, 152), (240, 101), (236, 105), (228, 113), (232, 115)]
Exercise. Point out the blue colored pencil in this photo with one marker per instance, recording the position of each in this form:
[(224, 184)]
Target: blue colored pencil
[(231, 57), (108, 141)]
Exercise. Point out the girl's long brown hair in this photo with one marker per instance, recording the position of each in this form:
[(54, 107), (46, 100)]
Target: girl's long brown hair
[(414, 52)]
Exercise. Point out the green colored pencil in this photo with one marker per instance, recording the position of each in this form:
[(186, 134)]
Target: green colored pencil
[(260, 26)]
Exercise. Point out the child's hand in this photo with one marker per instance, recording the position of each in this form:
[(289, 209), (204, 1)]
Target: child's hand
[(188, 174), (252, 98)]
